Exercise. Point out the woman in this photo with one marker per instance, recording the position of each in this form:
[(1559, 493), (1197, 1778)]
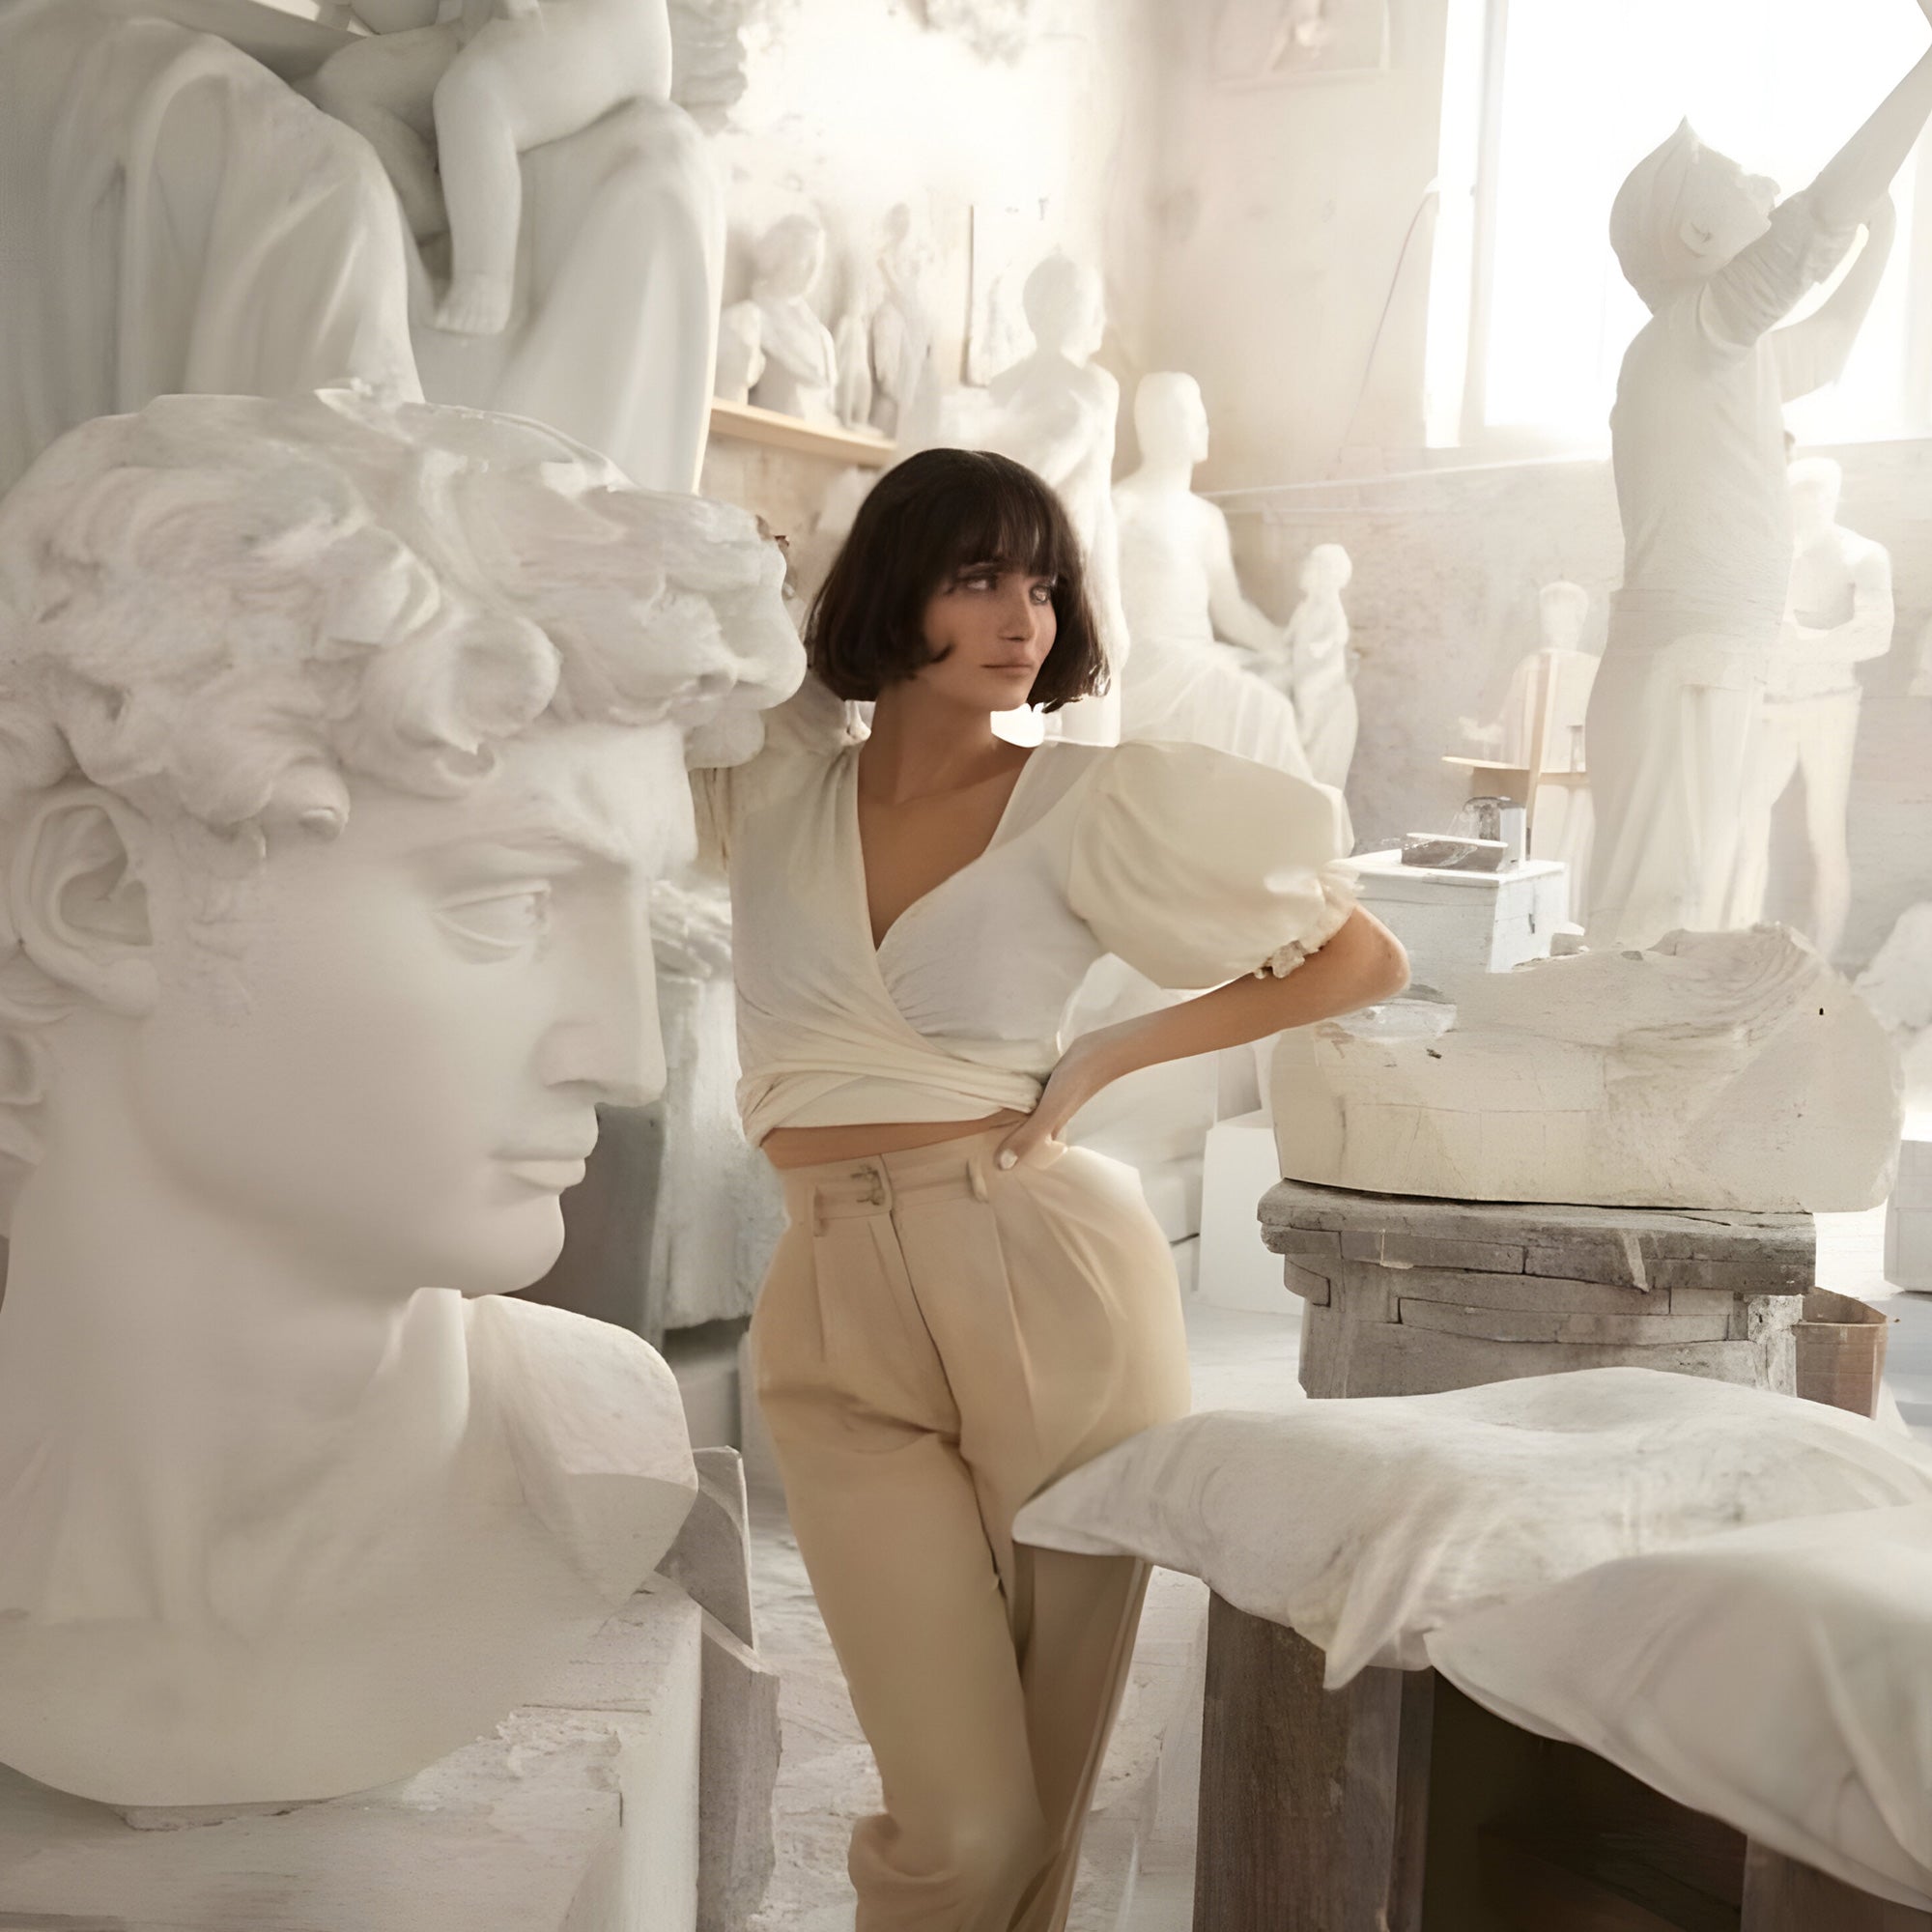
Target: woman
[(963, 1309)]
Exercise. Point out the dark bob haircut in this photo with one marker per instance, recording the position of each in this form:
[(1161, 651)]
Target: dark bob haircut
[(928, 518)]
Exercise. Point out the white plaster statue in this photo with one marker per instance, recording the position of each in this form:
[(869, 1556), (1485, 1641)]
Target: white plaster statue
[(1319, 661), (1697, 447), (1839, 617), (1055, 410), (900, 344), (773, 346), (1716, 1070), (339, 746), (1898, 986), (1921, 675), (1541, 728), (490, 79), (260, 248), (1179, 591)]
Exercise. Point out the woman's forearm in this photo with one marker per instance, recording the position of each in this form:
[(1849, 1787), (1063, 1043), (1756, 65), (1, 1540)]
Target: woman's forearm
[(1362, 963)]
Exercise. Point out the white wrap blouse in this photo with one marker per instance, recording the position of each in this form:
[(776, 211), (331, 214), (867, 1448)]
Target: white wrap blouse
[(1193, 866)]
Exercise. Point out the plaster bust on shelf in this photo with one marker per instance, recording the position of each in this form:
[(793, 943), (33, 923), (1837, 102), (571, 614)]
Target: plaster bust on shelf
[(1180, 593), (773, 350), (339, 746)]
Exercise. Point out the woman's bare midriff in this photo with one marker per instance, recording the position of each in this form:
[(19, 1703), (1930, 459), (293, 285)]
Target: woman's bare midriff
[(808, 1147)]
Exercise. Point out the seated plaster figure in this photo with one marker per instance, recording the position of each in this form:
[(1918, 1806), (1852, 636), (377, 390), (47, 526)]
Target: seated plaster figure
[(1055, 412), (1180, 592), (1320, 664), (264, 251), (1696, 442), (1716, 1070), (339, 746), (1839, 617), (773, 349), (488, 79)]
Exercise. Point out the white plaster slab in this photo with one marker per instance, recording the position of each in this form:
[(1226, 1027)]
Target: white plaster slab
[(1456, 923), (1715, 1070), (580, 1814), (1237, 1268)]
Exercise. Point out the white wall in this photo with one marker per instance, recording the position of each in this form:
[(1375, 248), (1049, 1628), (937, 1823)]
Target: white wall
[(1282, 213)]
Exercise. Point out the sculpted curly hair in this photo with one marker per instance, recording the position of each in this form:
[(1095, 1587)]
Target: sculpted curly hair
[(221, 608)]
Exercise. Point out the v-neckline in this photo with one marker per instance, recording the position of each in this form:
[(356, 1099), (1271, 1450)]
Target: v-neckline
[(879, 946)]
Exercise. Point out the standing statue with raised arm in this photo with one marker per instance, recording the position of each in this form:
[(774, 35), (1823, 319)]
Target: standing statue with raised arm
[(1698, 447), (1181, 595), (1840, 615)]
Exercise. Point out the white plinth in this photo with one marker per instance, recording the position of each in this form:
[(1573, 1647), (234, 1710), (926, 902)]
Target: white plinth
[(578, 1815), (1456, 923), (1908, 1219), (1236, 1270)]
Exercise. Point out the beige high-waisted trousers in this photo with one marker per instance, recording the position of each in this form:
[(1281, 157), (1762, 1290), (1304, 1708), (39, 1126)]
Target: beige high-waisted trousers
[(935, 1342)]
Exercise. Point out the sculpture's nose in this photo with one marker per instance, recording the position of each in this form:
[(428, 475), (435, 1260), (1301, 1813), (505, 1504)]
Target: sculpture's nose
[(607, 1038)]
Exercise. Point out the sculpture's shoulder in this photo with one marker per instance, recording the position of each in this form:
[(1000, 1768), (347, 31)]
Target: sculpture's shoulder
[(576, 1396)]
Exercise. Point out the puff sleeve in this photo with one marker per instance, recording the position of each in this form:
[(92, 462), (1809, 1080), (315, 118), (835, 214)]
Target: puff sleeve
[(1196, 867)]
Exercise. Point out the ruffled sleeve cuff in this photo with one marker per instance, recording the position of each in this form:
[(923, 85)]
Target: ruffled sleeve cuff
[(1338, 900)]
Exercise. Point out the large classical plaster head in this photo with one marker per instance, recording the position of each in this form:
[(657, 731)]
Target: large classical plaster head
[(1171, 419), (1065, 307), (1683, 211), (339, 746), (326, 733)]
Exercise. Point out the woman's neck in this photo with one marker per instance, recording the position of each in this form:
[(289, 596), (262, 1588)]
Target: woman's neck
[(921, 745)]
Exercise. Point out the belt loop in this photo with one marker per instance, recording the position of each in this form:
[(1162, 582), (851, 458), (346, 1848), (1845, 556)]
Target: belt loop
[(818, 1210), (976, 1174), (882, 1187)]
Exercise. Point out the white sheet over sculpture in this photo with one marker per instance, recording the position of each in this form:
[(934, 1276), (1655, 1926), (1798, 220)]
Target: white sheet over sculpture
[(1179, 594), (1698, 447), (1718, 1071), (259, 247), (1839, 615), (329, 803)]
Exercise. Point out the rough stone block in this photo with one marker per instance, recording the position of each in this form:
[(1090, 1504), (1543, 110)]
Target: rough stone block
[(711, 1560), (738, 1772), (1312, 1287), (577, 1815), (1534, 1294)]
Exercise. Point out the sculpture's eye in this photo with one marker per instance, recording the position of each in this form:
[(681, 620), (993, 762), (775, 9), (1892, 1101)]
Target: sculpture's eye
[(502, 922)]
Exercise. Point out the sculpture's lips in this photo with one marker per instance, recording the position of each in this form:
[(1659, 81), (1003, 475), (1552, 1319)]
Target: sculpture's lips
[(551, 1173)]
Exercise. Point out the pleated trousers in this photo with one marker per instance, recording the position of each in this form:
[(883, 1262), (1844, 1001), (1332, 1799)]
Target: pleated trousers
[(936, 1341)]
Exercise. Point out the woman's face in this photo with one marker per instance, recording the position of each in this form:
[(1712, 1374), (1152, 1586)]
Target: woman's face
[(992, 627)]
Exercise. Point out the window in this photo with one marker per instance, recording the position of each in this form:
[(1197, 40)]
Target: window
[(1570, 93)]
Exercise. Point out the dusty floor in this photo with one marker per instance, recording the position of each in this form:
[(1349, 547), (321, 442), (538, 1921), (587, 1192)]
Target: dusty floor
[(1137, 1871)]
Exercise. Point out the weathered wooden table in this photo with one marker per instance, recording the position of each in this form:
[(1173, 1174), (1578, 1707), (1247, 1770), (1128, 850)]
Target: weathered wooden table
[(1397, 1804)]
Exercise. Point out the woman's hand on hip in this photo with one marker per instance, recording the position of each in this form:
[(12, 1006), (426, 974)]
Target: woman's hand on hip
[(1082, 1072)]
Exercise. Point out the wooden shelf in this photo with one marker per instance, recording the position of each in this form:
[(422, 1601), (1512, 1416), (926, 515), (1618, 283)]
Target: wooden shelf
[(746, 422)]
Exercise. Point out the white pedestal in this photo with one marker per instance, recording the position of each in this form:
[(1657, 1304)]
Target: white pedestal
[(1456, 923), (1236, 1270), (1908, 1219), (580, 1814)]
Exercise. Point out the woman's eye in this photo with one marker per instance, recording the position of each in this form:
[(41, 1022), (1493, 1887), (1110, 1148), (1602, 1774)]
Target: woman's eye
[(1042, 593), (979, 580), (504, 921)]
